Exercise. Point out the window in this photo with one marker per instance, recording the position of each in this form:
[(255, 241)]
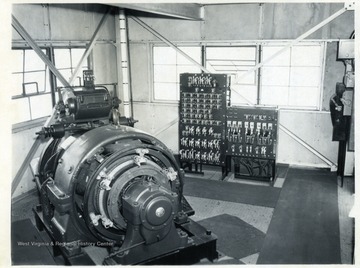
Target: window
[(31, 88), (293, 78), (31, 96), (235, 61), (168, 65), (66, 60)]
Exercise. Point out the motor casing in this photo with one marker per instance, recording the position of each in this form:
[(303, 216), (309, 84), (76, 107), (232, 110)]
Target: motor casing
[(114, 186)]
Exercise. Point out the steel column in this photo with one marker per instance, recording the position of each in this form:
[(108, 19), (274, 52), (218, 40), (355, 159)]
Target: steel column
[(123, 62), (90, 47), (24, 34)]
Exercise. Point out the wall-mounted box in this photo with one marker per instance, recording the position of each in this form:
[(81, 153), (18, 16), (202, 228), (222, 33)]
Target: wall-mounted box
[(346, 49)]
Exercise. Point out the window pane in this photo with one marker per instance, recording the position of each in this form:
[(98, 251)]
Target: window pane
[(243, 62), (312, 55), (305, 76), (193, 52), (283, 59), (164, 55), (36, 77), (33, 62), (62, 58), (239, 92), (292, 78), (165, 73), (231, 53), (242, 79), (76, 54), (168, 65), (225, 68), (275, 76), (17, 60), (16, 84), (20, 110), (303, 96), (274, 95), (166, 91), (40, 106), (66, 73), (233, 60)]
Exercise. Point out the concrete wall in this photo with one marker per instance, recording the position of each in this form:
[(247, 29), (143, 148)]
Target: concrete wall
[(245, 22), (63, 24)]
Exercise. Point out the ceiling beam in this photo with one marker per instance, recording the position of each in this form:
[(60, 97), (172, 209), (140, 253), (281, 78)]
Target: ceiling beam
[(188, 11)]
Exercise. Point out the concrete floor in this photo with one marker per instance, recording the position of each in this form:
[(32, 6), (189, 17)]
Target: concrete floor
[(257, 216), (346, 223), (260, 217)]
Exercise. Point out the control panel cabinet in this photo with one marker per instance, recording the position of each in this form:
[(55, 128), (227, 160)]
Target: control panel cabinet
[(202, 127), (252, 134)]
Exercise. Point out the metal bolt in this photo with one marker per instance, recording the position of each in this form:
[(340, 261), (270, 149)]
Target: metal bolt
[(160, 211), (70, 169)]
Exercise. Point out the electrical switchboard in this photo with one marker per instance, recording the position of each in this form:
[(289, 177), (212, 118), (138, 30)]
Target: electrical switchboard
[(202, 126), (251, 135)]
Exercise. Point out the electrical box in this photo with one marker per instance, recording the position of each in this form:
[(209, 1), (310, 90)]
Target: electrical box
[(252, 135), (346, 49), (202, 126)]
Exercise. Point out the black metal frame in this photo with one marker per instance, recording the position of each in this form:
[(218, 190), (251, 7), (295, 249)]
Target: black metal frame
[(202, 244)]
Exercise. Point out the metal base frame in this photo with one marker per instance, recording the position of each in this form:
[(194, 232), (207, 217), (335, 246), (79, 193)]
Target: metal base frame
[(201, 244), (195, 168), (250, 174)]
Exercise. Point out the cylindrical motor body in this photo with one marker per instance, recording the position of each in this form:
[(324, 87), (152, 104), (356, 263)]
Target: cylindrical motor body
[(96, 185)]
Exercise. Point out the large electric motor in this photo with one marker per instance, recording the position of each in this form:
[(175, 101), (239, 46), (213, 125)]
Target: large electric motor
[(113, 186)]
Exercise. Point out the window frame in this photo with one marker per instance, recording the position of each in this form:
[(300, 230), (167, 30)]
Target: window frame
[(258, 76), (257, 71), (152, 75), (322, 62), (53, 87)]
